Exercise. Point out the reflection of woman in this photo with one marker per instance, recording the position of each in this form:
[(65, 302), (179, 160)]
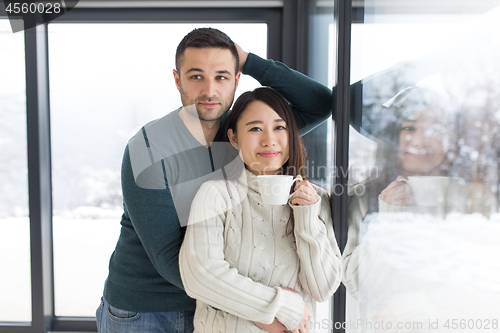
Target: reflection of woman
[(249, 264), (378, 270), (423, 143), (419, 144), (396, 268), (416, 141), (421, 152)]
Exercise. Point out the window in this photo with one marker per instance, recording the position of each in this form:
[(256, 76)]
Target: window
[(64, 192), (106, 81), (421, 250), (15, 286)]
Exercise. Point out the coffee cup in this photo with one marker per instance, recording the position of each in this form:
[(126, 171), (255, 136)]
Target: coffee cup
[(429, 190), (275, 189)]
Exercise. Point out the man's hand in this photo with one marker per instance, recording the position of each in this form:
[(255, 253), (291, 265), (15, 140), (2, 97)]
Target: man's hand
[(304, 322), (277, 327), (274, 327), (242, 55)]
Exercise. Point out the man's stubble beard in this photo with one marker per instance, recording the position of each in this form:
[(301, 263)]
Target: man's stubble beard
[(223, 107)]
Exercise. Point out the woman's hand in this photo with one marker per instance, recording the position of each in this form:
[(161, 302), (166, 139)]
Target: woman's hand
[(397, 193), (305, 194)]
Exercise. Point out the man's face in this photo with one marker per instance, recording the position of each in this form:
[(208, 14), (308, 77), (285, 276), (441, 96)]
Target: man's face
[(207, 79)]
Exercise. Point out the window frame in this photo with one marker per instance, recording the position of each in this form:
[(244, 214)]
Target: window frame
[(343, 12)]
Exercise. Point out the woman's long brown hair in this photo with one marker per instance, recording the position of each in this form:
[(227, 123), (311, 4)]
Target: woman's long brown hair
[(296, 157)]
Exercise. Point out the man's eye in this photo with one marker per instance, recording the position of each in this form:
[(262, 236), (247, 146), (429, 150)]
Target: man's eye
[(222, 78), (196, 77)]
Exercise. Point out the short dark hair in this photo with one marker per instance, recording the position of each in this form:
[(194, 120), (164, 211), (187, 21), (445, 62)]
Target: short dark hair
[(203, 38), (296, 157)]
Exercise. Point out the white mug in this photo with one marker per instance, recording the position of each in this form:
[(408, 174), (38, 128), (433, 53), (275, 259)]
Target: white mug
[(275, 189), (428, 190)]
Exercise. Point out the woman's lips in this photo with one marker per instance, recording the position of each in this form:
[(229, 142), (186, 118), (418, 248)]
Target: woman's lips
[(419, 155), (269, 154)]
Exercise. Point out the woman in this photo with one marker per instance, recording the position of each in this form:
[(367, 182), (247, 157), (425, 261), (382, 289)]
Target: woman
[(416, 140), (423, 143), (399, 251), (249, 264)]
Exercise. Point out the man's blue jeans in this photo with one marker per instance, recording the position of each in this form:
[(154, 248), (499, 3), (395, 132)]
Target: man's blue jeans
[(113, 320)]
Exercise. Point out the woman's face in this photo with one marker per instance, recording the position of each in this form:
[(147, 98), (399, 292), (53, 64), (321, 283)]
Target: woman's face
[(262, 137), (423, 143)]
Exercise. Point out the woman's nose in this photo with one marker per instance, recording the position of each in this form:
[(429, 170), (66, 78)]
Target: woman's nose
[(419, 139), (268, 139)]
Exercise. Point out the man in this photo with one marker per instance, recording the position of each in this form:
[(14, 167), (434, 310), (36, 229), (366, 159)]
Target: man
[(166, 162)]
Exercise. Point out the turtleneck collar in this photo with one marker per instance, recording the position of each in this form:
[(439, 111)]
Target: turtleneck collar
[(252, 181)]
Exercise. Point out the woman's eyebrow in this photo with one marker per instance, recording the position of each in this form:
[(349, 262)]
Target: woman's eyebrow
[(260, 121), (254, 122)]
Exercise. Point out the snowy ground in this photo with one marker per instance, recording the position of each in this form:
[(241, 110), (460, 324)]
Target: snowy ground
[(461, 252), (82, 248), (15, 286), (421, 269)]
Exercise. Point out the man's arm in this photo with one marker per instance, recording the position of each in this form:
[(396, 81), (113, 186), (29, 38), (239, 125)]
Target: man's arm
[(310, 100), (154, 220)]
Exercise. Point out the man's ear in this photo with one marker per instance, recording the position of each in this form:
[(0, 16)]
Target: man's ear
[(232, 138), (237, 79), (177, 79)]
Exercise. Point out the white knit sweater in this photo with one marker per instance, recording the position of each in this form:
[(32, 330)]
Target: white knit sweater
[(242, 251)]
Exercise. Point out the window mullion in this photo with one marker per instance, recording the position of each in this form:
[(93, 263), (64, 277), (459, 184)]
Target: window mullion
[(40, 199), (341, 109)]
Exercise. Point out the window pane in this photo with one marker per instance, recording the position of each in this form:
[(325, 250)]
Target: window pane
[(106, 81), (422, 251), (15, 279)]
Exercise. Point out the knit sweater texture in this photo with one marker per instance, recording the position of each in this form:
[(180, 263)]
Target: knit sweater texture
[(238, 252)]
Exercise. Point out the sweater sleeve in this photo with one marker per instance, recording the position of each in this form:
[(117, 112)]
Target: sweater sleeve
[(208, 277), (356, 255), (384, 207), (350, 256), (320, 259), (310, 100)]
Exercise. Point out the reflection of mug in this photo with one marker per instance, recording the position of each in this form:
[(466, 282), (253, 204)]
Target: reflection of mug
[(429, 190), (275, 189)]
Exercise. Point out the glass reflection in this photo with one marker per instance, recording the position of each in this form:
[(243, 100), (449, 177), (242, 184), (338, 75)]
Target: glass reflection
[(424, 221)]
